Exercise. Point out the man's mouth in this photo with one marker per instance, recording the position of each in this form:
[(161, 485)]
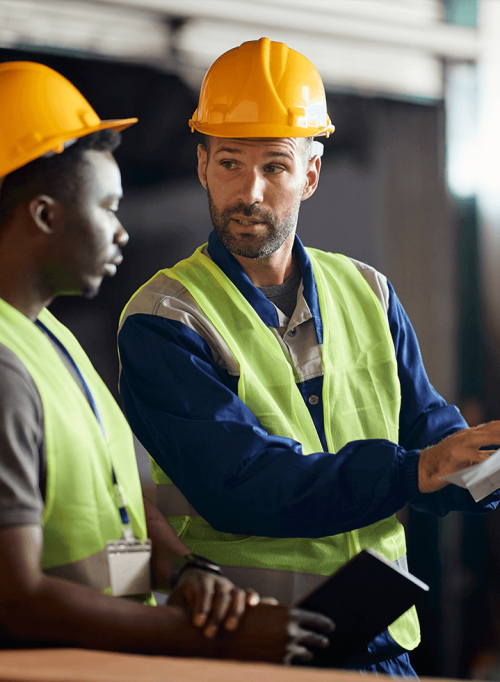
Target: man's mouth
[(245, 222), (111, 266)]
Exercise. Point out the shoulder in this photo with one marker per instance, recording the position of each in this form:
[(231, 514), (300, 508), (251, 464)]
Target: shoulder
[(377, 282), (22, 444), (20, 401), (167, 298), (15, 379), (159, 296), (169, 301)]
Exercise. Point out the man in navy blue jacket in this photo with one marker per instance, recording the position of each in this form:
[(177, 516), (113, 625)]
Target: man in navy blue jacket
[(179, 378)]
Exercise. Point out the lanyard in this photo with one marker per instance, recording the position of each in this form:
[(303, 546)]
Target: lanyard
[(118, 496)]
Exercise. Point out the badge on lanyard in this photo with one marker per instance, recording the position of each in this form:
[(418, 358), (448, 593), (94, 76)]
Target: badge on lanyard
[(129, 566), (128, 559)]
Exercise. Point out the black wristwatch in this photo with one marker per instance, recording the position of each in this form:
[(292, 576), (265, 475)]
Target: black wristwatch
[(192, 561)]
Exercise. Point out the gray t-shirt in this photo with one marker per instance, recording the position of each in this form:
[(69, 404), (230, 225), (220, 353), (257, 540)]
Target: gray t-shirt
[(22, 442), (284, 296)]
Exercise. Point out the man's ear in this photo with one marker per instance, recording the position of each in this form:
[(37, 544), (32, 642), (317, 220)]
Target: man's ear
[(312, 177), (42, 210), (202, 165)]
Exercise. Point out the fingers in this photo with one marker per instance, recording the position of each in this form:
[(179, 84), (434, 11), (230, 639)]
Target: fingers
[(236, 609), (213, 600), (310, 638), (312, 619), (204, 592), (458, 451), (253, 597), (294, 652), (196, 590), (301, 638), (220, 606), (269, 600)]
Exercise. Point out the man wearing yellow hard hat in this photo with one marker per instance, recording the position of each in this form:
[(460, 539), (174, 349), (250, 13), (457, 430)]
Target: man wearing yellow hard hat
[(279, 389), (73, 526)]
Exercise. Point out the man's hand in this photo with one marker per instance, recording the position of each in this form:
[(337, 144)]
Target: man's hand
[(212, 599), (458, 451), (273, 633), (302, 637)]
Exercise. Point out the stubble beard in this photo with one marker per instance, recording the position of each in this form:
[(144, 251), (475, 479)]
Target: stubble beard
[(250, 245)]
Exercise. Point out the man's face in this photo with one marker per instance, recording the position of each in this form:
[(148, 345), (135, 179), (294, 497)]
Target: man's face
[(89, 235), (254, 188)]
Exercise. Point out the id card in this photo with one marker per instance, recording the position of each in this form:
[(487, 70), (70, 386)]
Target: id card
[(129, 566)]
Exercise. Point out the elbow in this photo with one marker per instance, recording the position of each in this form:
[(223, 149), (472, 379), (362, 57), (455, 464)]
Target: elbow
[(23, 614)]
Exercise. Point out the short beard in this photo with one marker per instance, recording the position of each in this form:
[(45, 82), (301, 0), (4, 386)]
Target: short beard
[(245, 245)]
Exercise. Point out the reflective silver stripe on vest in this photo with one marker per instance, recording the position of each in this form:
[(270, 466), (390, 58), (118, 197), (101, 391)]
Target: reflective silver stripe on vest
[(171, 502), (288, 587), (91, 571)]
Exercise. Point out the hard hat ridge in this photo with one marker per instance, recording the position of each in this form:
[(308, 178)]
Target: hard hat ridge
[(262, 89), (41, 113)]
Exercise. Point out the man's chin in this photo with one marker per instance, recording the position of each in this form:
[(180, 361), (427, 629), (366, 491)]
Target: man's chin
[(90, 293), (89, 290), (253, 248)]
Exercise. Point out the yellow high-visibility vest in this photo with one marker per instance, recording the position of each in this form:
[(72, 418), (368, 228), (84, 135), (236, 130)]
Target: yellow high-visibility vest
[(361, 397), (80, 515)]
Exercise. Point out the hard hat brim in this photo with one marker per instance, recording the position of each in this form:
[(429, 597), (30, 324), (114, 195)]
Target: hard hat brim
[(56, 143), (259, 130)]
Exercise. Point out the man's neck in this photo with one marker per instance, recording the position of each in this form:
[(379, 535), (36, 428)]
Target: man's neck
[(272, 270), (20, 286), (23, 300)]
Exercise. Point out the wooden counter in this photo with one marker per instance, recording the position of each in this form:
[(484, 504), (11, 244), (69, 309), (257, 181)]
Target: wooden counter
[(79, 665)]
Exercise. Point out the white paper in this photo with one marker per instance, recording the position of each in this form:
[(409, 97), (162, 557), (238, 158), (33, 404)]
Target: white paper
[(479, 479)]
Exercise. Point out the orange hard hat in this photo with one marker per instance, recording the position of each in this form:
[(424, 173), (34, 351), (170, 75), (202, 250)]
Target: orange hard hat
[(41, 112), (262, 89)]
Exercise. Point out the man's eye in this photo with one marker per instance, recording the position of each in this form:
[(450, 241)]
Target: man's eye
[(228, 164), (273, 168)]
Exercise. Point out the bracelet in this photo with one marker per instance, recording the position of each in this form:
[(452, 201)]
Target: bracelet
[(192, 561)]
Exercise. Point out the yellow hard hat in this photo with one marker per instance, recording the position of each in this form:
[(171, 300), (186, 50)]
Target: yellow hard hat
[(262, 89), (40, 112)]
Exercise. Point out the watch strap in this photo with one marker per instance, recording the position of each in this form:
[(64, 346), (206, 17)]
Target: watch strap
[(192, 561)]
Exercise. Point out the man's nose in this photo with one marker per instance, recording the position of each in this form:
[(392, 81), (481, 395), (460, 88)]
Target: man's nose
[(121, 236), (252, 188)]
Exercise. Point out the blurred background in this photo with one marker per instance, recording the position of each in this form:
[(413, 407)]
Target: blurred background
[(410, 184)]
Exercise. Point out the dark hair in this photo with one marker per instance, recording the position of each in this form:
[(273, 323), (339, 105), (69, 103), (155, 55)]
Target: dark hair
[(59, 176), (306, 146)]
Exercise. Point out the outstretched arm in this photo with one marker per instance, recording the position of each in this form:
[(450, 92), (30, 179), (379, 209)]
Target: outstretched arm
[(185, 409)]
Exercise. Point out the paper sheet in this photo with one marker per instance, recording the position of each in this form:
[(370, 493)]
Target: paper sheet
[(479, 479)]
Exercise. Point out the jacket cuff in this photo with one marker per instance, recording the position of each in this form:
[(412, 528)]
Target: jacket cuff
[(412, 458)]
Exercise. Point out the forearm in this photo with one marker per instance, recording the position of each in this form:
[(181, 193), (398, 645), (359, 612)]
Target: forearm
[(167, 548), (290, 495), (58, 613), (55, 612)]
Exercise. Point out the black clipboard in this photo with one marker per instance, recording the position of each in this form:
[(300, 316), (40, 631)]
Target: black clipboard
[(363, 598)]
